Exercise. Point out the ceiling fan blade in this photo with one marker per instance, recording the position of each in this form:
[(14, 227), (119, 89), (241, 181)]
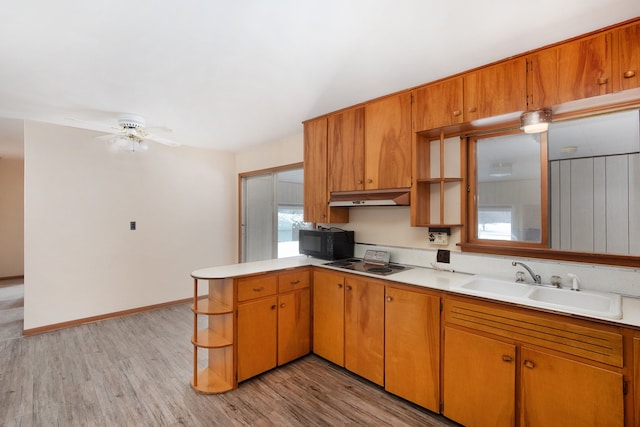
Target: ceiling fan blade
[(98, 127), (160, 140)]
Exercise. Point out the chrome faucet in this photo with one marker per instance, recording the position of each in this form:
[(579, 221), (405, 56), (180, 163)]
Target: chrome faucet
[(536, 277)]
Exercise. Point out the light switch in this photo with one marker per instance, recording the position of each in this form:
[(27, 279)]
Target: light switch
[(132, 225)]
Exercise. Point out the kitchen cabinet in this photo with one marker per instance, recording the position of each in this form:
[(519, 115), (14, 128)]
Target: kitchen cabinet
[(412, 346), (216, 339), (559, 391), (328, 316), (364, 328), (273, 316), (348, 323), (437, 105), (439, 193), (565, 367), (387, 135), (495, 90), (479, 377), (316, 194), (626, 43), (346, 150)]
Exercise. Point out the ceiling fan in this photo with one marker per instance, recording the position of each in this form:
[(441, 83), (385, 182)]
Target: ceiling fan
[(130, 134)]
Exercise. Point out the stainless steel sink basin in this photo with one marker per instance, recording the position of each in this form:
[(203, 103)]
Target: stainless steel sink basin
[(587, 302), (599, 304), (483, 285)]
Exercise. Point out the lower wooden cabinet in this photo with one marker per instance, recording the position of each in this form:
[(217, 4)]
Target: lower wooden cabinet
[(559, 391), (479, 379), (273, 329), (412, 346), (328, 316)]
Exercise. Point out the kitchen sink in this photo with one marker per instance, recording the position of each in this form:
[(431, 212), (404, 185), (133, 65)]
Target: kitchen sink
[(587, 302), (592, 303), (498, 287)]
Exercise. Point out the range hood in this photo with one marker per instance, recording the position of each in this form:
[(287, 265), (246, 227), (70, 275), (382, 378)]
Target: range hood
[(392, 197)]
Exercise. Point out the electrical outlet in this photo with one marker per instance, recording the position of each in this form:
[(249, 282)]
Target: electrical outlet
[(132, 225), (438, 238)]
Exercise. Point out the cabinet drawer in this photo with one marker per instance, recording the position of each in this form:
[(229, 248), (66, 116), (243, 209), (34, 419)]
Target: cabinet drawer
[(257, 286), (591, 343), (293, 280)]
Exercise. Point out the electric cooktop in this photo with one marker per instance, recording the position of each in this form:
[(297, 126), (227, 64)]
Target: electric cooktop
[(374, 262)]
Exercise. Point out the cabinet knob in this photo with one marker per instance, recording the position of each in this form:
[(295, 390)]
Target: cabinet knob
[(273, 307), (473, 109), (529, 364), (339, 285), (348, 287), (359, 181), (507, 358), (369, 181), (260, 289), (457, 112), (295, 282), (283, 305), (389, 299), (629, 74), (603, 80)]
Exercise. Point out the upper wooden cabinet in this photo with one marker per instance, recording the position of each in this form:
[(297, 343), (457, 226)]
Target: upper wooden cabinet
[(316, 196), (495, 90), (626, 43), (387, 135), (438, 104), (346, 150)]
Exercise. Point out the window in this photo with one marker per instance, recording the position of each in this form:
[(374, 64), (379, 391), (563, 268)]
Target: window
[(271, 213)]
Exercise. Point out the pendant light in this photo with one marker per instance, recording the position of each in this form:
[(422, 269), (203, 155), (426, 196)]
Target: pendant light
[(535, 121)]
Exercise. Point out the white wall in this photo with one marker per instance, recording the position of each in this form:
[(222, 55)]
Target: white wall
[(81, 259), (11, 217), (272, 154)]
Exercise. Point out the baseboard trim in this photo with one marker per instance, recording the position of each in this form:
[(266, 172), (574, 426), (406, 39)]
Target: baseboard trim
[(11, 278), (78, 322)]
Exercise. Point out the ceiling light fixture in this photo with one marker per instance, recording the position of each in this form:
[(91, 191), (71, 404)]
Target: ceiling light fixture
[(535, 121)]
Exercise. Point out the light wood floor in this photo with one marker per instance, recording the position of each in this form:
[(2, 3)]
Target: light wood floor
[(135, 371)]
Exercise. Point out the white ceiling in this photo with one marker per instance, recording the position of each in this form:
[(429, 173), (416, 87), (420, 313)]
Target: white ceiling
[(230, 74)]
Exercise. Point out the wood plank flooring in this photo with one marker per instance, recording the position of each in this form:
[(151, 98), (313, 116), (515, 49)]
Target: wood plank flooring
[(135, 371)]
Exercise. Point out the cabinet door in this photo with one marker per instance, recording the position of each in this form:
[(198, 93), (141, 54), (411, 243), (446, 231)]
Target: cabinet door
[(294, 325), (542, 79), (346, 150), (479, 380), (257, 323), (364, 329), (557, 391), (387, 150), (584, 68), (328, 316), (315, 170), (495, 90), (412, 347), (437, 105), (628, 65)]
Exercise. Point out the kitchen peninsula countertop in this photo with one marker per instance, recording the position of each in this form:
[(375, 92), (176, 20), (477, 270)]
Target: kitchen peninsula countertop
[(416, 276)]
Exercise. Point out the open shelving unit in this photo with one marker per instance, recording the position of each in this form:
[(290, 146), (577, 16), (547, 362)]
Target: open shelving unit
[(217, 338)]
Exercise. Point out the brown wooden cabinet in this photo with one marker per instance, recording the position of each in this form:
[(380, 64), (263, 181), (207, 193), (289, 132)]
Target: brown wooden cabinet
[(495, 90), (559, 391), (364, 328), (387, 135), (479, 379), (348, 323), (346, 150), (626, 43), (316, 194), (437, 105), (274, 321), (328, 316), (412, 346)]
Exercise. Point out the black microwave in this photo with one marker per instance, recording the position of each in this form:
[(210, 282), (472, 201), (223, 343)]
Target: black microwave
[(326, 244)]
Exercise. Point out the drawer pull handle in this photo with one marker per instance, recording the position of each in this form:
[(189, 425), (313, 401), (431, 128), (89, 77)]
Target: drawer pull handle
[(529, 364), (295, 282), (389, 299), (456, 113), (507, 358), (473, 109), (603, 80), (260, 289), (629, 74)]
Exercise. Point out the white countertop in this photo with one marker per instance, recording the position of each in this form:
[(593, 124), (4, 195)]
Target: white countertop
[(417, 276)]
